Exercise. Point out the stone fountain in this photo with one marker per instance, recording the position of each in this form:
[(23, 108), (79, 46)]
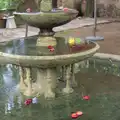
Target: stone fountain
[(46, 63)]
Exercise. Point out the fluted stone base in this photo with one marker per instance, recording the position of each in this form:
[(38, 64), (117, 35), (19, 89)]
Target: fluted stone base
[(46, 38), (69, 79), (44, 81), (44, 84)]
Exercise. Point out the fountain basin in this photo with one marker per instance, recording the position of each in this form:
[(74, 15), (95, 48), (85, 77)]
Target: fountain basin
[(49, 20), (38, 73), (47, 61)]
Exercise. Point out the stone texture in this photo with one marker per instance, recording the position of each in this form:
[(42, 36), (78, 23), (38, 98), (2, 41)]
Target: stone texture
[(106, 8), (109, 8)]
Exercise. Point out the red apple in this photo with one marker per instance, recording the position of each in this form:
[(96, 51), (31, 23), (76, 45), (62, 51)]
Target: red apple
[(28, 102), (79, 113), (52, 50), (87, 97), (50, 47), (65, 9), (74, 115), (29, 10)]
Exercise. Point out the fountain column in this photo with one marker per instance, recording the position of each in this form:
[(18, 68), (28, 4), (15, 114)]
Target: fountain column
[(28, 91), (51, 79), (74, 83), (21, 74), (63, 73), (68, 89), (46, 38)]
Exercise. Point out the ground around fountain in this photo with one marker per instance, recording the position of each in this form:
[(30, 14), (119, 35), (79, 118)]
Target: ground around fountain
[(111, 33)]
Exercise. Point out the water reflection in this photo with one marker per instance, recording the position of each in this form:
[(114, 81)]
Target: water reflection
[(9, 105), (102, 87), (13, 102), (19, 101), (28, 47), (7, 77), (34, 100), (19, 46)]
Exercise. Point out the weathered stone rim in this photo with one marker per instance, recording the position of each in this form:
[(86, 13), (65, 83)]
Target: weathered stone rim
[(43, 13), (107, 56)]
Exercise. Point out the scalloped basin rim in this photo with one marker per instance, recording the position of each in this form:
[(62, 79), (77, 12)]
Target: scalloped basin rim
[(37, 13), (6, 58)]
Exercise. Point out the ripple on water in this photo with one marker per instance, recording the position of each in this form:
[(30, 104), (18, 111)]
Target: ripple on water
[(102, 87)]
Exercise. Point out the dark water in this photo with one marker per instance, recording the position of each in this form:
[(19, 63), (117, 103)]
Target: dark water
[(28, 47), (103, 88)]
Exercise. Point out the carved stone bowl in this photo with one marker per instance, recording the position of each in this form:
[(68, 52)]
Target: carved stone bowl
[(44, 20), (47, 61)]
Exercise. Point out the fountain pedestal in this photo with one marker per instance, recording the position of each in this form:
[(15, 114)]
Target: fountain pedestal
[(46, 38), (46, 41)]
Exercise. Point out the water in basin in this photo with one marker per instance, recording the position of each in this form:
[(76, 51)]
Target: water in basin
[(98, 79), (28, 47)]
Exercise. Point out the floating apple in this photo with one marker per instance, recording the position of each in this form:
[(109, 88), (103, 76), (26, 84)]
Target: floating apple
[(28, 102), (79, 113), (71, 41), (87, 97), (74, 115), (50, 47), (52, 50), (28, 10), (65, 9), (34, 100)]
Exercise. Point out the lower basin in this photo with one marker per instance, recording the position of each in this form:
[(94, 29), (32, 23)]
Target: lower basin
[(26, 53), (38, 66), (96, 77)]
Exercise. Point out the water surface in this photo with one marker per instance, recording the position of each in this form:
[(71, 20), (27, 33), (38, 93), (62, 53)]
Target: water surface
[(103, 88), (28, 47)]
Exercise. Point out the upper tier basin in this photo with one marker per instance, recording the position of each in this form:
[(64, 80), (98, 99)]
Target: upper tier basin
[(48, 19), (25, 53)]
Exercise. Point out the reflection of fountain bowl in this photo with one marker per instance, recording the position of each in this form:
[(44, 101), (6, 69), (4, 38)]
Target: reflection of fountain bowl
[(48, 20)]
